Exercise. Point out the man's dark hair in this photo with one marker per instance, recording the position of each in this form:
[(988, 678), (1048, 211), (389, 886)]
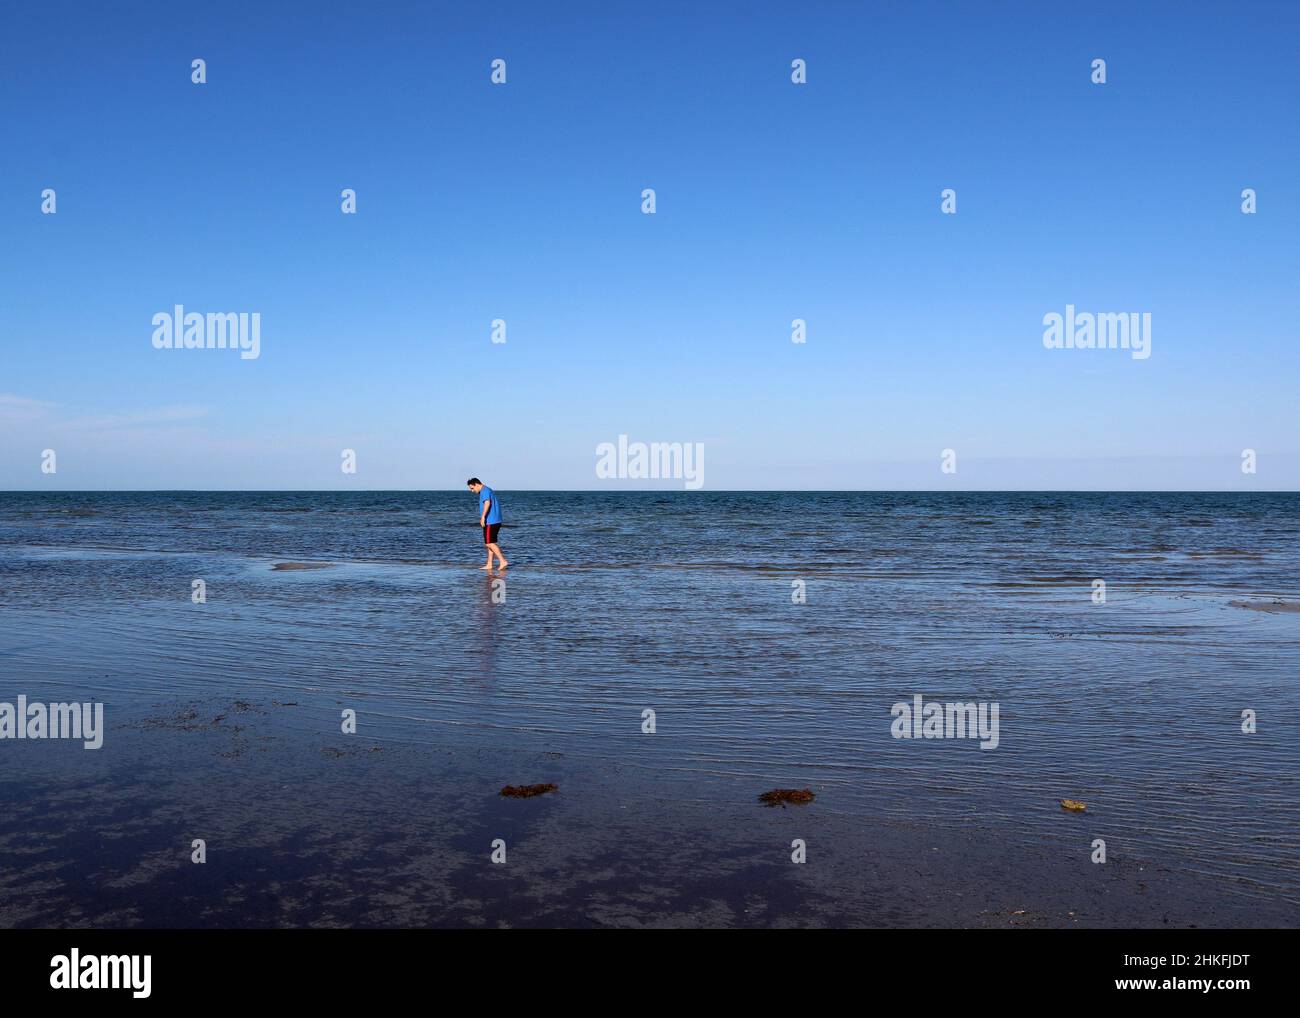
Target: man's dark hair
[(472, 480)]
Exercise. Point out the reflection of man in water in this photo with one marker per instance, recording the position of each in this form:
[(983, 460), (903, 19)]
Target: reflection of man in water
[(489, 518)]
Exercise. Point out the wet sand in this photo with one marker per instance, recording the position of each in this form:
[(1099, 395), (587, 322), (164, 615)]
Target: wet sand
[(317, 828)]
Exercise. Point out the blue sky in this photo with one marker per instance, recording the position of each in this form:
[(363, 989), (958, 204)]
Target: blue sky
[(775, 201)]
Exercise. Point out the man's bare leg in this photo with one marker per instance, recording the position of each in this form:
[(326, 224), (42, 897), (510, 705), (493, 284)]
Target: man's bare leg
[(496, 548)]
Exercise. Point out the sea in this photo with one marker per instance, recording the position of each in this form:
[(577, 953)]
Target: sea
[(1141, 650)]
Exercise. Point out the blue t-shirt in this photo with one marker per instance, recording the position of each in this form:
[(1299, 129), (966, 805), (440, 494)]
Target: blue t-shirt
[(494, 511)]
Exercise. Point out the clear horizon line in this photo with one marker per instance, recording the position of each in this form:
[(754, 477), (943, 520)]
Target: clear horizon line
[(665, 491)]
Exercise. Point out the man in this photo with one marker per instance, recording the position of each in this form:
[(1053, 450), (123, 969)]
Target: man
[(489, 518)]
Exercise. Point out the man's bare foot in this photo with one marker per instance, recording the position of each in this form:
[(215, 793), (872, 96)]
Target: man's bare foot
[(487, 567), (504, 563)]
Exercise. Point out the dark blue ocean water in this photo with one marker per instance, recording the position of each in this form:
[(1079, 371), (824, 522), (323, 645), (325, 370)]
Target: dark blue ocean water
[(681, 603)]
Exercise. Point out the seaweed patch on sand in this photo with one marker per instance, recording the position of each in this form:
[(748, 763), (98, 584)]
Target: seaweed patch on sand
[(284, 566), (787, 797), (189, 717), (527, 791), (334, 753)]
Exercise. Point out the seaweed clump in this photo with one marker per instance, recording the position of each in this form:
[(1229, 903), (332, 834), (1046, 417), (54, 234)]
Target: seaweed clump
[(787, 796), (527, 791)]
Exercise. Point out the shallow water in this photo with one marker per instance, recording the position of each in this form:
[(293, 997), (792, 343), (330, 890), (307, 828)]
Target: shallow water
[(681, 602)]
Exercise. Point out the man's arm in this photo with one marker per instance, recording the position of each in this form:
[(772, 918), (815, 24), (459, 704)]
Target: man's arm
[(482, 516)]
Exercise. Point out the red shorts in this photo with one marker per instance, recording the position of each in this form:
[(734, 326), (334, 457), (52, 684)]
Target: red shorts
[(490, 531)]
